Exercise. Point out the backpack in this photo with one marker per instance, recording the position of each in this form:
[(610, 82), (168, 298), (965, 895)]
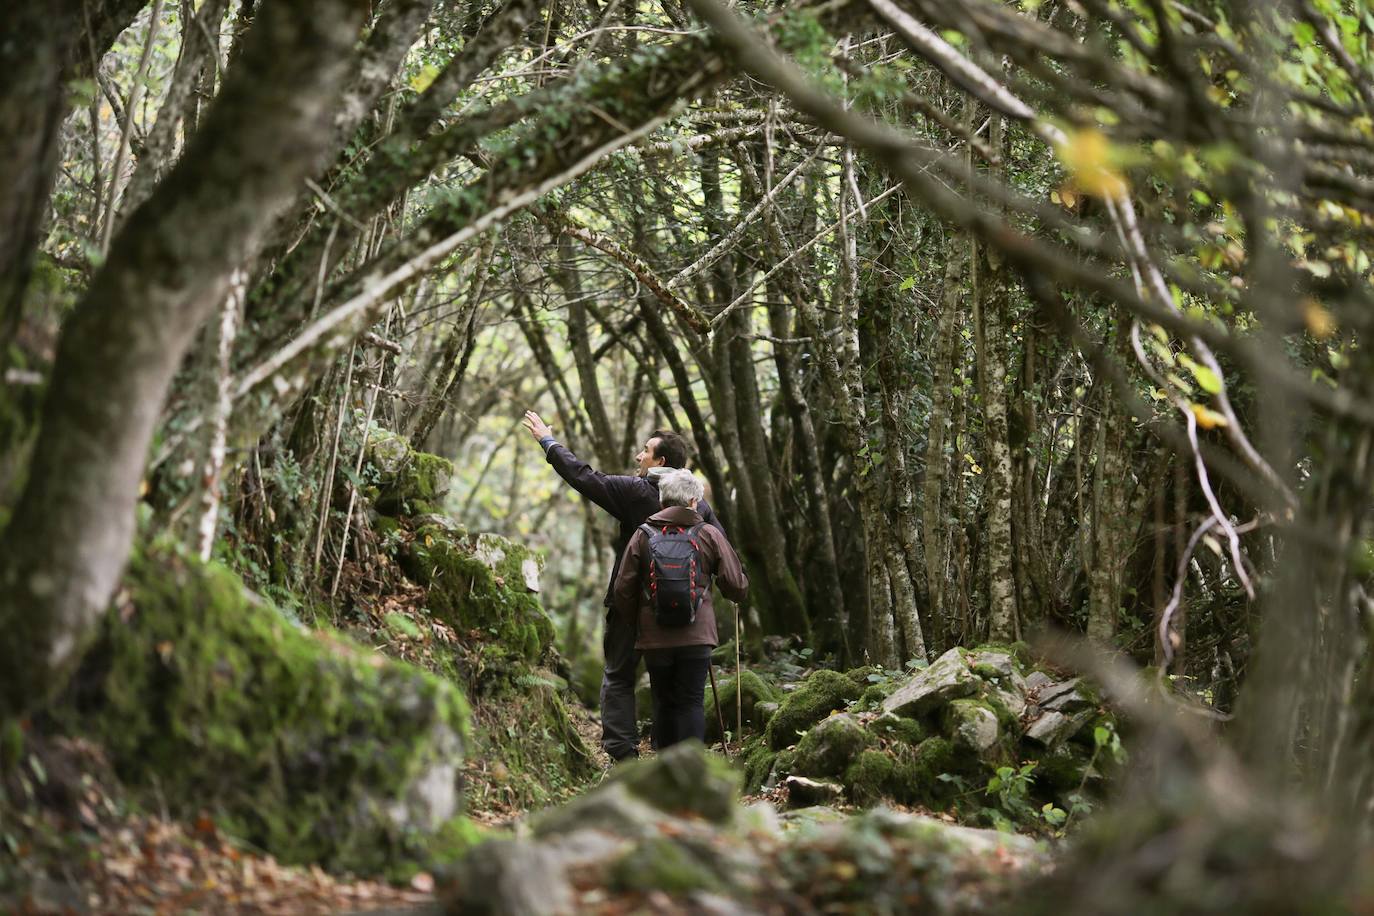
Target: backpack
[(677, 581)]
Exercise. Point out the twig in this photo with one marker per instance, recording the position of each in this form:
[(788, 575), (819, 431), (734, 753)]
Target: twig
[(642, 272), (743, 297), (326, 492), (728, 240), (135, 94), (1167, 615)]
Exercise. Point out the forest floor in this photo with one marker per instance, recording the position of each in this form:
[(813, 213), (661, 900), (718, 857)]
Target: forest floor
[(87, 853)]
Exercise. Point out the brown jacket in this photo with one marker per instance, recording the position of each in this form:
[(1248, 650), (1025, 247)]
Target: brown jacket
[(631, 597)]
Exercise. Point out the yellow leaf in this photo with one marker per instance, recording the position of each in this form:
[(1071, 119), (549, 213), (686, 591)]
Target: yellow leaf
[(422, 80), (1087, 154), (429, 540), (1320, 323), (1208, 418)]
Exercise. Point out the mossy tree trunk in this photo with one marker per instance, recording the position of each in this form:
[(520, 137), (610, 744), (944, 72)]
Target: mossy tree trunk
[(43, 45), (992, 372), (935, 517), (1111, 521), (167, 271)]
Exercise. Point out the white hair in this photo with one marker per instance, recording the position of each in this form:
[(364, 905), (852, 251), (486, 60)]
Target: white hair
[(679, 488)]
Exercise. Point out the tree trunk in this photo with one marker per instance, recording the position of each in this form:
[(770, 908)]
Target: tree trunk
[(992, 371), (1111, 487), (33, 103), (68, 540), (580, 344), (934, 520), (824, 569), (784, 597)]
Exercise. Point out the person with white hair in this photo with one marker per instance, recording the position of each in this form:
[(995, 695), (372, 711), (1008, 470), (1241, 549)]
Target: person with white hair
[(664, 589), (629, 499)]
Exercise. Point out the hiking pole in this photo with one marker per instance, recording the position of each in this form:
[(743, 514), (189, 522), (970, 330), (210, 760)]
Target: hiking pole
[(739, 684), (720, 716)]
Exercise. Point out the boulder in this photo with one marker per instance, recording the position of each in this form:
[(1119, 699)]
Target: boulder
[(820, 694), (407, 482), (483, 592), (972, 725), (885, 861), (299, 742), (803, 792), (1053, 728), (611, 807), (992, 663), (524, 569), (916, 776), (522, 877), (897, 728), (947, 678), (669, 824), (685, 778), (752, 691), (866, 778), (1067, 697), (666, 865), (829, 746)]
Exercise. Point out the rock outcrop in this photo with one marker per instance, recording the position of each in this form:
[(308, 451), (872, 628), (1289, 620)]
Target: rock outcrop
[(298, 741), (938, 734)]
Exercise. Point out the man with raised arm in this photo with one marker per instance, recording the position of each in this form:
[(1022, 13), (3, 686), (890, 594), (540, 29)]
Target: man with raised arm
[(630, 500)]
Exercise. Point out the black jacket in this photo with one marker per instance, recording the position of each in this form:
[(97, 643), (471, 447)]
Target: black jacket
[(629, 500)]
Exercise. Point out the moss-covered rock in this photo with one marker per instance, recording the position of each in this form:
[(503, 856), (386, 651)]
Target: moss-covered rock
[(864, 677), (662, 864), (822, 693), (916, 775), (872, 697), (407, 482), (752, 691), (947, 678), (758, 760), (489, 597), (971, 725), (1063, 769), (828, 746), (299, 742), (867, 777), (898, 729), (685, 778)]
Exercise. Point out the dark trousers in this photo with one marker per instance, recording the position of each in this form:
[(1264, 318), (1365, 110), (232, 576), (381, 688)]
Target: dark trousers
[(619, 730), (677, 678)]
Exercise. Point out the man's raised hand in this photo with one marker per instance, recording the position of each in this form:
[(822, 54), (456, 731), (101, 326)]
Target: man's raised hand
[(537, 427)]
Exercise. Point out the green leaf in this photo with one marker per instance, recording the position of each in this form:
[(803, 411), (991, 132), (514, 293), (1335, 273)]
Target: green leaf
[(1207, 380)]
